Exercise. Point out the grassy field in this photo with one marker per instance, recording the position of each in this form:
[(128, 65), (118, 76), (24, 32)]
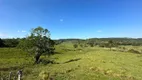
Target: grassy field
[(90, 63)]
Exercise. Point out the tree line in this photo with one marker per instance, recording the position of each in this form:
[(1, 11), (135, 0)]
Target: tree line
[(103, 41), (9, 42), (13, 42)]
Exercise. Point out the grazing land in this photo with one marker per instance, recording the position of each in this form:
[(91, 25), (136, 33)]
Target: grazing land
[(69, 63)]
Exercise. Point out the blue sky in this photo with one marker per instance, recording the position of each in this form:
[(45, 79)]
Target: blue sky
[(72, 18)]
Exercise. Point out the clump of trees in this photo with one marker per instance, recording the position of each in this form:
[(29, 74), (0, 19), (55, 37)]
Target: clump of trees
[(38, 43), (109, 44), (11, 42), (91, 43)]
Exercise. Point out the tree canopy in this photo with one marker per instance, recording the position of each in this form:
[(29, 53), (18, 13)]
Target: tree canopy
[(38, 42)]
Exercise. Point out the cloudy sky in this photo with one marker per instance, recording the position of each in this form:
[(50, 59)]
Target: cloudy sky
[(72, 18)]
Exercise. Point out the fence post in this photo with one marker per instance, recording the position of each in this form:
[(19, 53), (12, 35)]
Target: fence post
[(19, 74), (1, 78), (14, 77), (10, 73)]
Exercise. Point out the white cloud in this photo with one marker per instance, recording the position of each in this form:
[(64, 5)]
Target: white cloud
[(23, 31), (61, 20), (99, 31)]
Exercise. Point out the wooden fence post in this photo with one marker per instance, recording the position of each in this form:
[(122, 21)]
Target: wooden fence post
[(14, 77), (1, 78), (19, 74), (10, 73)]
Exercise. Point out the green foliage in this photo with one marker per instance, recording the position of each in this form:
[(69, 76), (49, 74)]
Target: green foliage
[(100, 41), (1, 43), (81, 45), (44, 75), (102, 45), (110, 44), (91, 43), (10, 42), (38, 42), (75, 45)]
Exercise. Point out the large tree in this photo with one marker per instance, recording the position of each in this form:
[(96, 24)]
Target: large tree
[(38, 42)]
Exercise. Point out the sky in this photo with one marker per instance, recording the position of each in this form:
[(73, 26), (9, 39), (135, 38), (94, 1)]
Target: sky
[(72, 18)]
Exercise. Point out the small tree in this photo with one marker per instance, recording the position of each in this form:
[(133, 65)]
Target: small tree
[(38, 42), (75, 45), (110, 44), (91, 44)]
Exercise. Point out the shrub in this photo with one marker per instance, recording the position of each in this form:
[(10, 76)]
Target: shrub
[(75, 45), (81, 45), (85, 45), (91, 45), (44, 75), (102, 45)]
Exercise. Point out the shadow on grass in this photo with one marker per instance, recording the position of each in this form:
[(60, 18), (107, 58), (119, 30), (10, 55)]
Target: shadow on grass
[(45, 62), (72, 60), (57, 53), (67, 49)]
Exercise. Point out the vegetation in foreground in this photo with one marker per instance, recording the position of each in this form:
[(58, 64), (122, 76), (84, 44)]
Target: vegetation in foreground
[(89, 63)]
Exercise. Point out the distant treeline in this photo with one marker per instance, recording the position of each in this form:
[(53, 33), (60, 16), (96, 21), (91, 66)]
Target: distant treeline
[(9, 42), (102, 41), (93, 41)]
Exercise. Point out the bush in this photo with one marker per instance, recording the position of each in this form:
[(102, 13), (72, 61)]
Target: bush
[(81, 45), (91, 45), (44, 75), (85, 45), (102, 45), (75, 45)]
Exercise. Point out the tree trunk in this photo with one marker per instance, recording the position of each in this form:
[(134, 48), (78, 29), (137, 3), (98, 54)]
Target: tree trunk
[(37, 57)]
